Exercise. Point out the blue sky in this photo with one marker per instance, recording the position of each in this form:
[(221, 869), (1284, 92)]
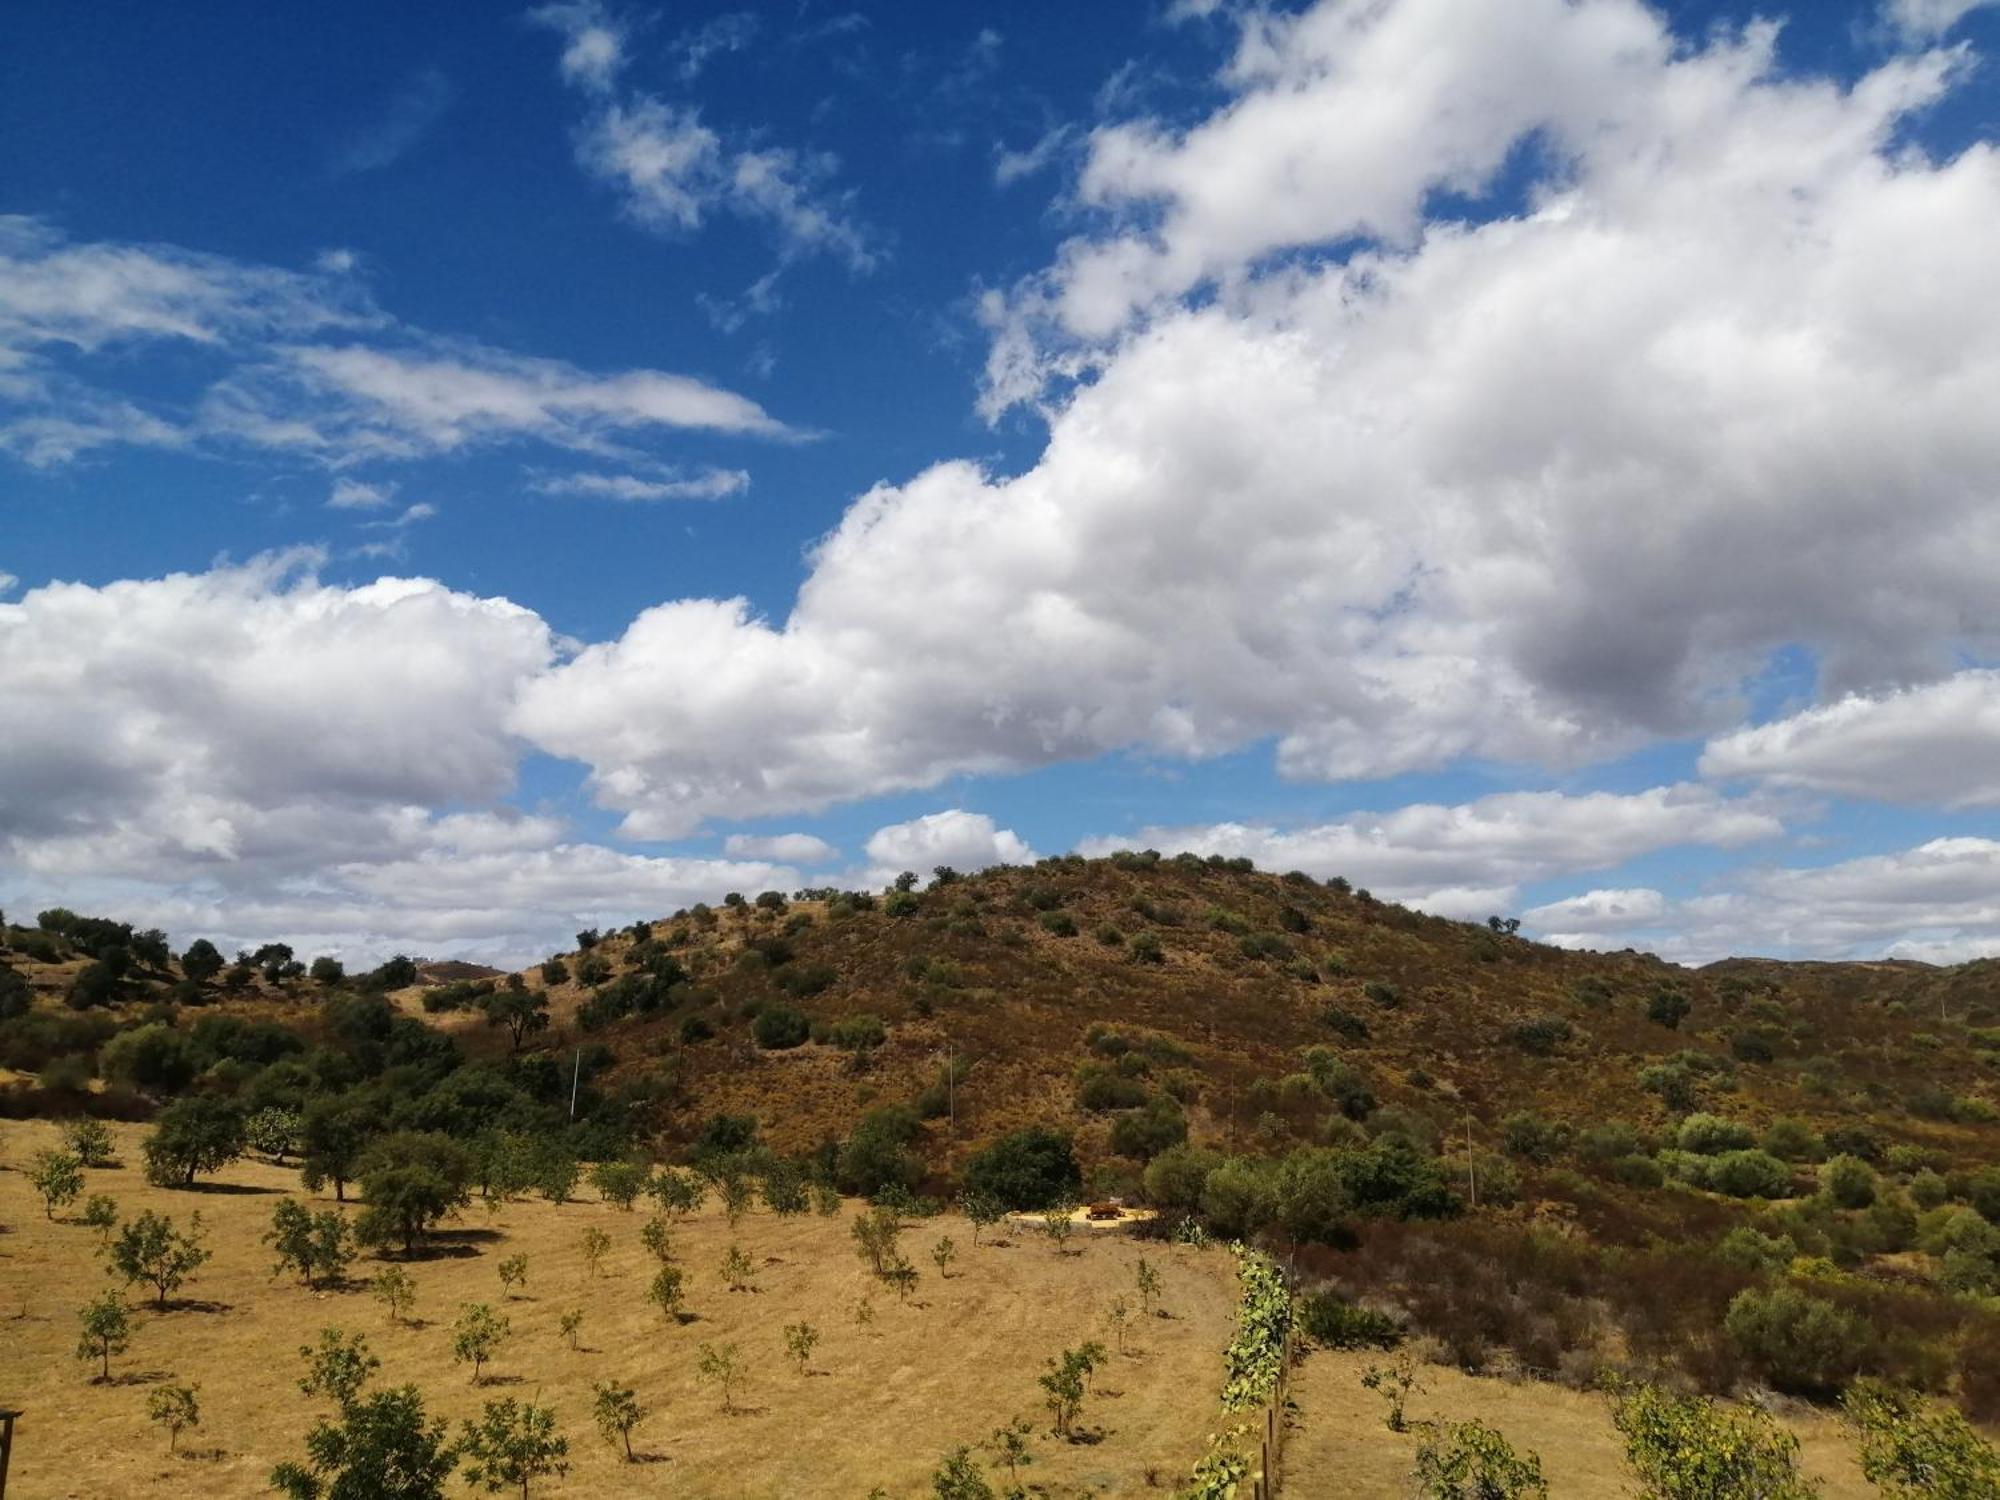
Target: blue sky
[(1528, 458)]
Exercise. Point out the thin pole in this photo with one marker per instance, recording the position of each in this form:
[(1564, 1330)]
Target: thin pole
[(1471, 1171), (950, 1091), (575, 1078), (6, 1446)]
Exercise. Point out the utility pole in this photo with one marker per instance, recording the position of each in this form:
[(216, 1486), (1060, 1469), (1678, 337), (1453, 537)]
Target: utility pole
[(950, 1090), (6, 1446), (1471, 1169), (575, 1079)]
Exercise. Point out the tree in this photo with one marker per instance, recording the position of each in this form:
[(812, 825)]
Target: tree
[(1848, 1181), (1912, 1449), (738, 1193), (58, 1177), (150, 1249), (958, 1478), (1689, 1448), (275, 1132), (337, 1367), (202, 961), (327, 970), (595, 1245), (722, 1368), (384, 1447), (1668, 1008), (100, 1212), (618, 1182), (1394, 1383), (1027, 1169), (1059, 1223), (106, 1330), (658, 1239), (89, 1141), (523, 1012), (1148, 1278), (800, 1341), (983, 1209), (875, 1233), (556, 1175), (1471, 1461), (617, 1411), (513, 1442), (477, 1336), (943, 1253), (737, 1271), (1118, 1315), (667, 1288), (513, 1274), (678, 1193), (397, 1291), (1010, 1447), (319, 1246), (1063, 1390), (333, 1134), (1803, 1343), (410, 1181), (902, 1276), (200, 1133), (174, 1407), (571, 1323)]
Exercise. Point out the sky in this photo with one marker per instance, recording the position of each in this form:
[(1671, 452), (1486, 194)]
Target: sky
[(469, 473)]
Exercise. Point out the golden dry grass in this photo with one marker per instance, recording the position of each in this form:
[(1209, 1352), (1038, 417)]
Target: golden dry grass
[(879, 1408), (1341, 1444)]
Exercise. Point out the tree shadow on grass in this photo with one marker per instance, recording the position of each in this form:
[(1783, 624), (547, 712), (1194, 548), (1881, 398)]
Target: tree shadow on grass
[(196, 1305), (651, 1458), (470, 1236), (485, 1380), (228, 1189), (136, 1377), (204, 1455)]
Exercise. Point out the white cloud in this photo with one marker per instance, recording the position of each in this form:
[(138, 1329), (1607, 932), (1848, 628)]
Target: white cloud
[(1937, 744), (1535, 490), (1923, 20), (801, 849), (732, 31), (354, 494), (672, 170), (249, 719), (294, 362), (1469, 859), (593, 42), (1568, 922), (966, 841), (1010, 167), (8, 582), (712, 484)]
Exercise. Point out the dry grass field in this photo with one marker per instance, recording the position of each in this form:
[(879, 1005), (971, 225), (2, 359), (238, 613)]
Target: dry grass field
[(880, 1406), (1341, 1445)]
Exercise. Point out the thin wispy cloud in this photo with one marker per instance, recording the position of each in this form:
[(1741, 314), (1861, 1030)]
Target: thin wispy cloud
[(403, 122), (715, 484)]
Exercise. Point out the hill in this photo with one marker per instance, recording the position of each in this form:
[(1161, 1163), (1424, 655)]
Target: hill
[(1559, 1162)]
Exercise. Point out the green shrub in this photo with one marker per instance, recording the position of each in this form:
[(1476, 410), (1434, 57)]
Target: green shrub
[(1336, 1323), (1913, 1450), (1691, 1448), (1027, 1169), (1848, 1181), (780, 1027), (1793, 1140), (1471, 1461), (1711, 1135), (1060, 923), (1799, 1342), (1748, 1174)]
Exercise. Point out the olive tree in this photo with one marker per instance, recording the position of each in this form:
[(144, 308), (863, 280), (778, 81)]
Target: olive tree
[(337, 1367), (667, 1290), (151, 1250), (397, 1291), (513, 1274), (384, 1447), (58, 1177), (595, 1245), (106, 1330), (513, 1443), (800, 1341), (476, 1336), (721, 1367), (617, 1412), (174, 1407)]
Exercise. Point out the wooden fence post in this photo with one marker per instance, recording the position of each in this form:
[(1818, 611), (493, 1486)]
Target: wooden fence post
[(6, 1446)]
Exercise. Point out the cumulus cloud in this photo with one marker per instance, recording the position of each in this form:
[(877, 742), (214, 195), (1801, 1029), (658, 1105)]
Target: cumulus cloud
[(711, 484), (250, 718), (1937, 744), (1536, 489), (787, 848), (593, 42), (1469, 859), (1572, 921), (966, 841)]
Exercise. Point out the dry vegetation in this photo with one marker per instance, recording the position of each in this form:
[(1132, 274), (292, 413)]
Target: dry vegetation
[(879, 1406)]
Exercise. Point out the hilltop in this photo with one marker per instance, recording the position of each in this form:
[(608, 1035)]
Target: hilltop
[(1552, 1159)]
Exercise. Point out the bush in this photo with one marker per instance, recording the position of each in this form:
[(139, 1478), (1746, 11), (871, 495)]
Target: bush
[(1689, 1448), (1061, 923), (1799, 1342), (1912, 1450), (1336, 1323), (1385, 995), (1668, 1008), (1147, 1132), (1793, 1140), (1711, 1135), (1471, 1461), (1528, 1135), (1748, 1174), (1540, 1036), (779, 1027), (1848, 1181), (1027, 1169)]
